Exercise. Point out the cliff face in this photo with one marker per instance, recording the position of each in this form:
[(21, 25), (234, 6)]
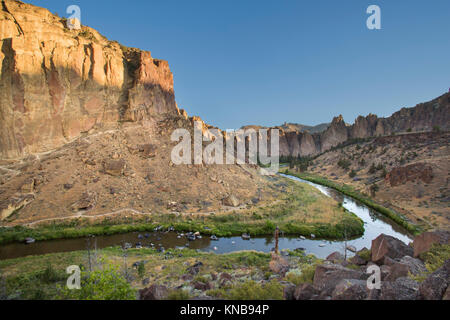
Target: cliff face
[(57, 83), (423, 117)]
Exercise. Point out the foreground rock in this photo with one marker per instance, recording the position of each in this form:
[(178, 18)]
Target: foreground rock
[(400, 289), (435, 286), (327, 277), (350, 289), (389, 247), (423, 243), (154, 292)]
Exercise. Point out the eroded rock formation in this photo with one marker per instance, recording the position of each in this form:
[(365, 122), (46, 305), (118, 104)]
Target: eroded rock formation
[(57, 83), (423, 117)]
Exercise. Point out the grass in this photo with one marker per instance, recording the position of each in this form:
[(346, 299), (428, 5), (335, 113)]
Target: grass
[(433, 259), (44, 277), (301, 210), (349, 191)]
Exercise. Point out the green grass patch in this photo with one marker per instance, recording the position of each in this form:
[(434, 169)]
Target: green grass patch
[(349, 191)]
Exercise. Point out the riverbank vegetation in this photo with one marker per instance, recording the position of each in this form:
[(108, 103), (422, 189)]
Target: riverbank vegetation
[(349, 191), (301, 210), (115, 274)]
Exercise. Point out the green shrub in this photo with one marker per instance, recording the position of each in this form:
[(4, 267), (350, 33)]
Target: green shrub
[(105, 284), (366, 254), (141, 269), (251, 290), (305, 276), (434, 259), (178, 295)]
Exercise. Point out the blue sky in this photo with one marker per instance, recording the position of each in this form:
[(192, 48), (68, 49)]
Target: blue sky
[(266, 62)]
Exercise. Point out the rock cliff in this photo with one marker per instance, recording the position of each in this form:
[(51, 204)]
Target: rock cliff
[(423, 117), (57, 83)]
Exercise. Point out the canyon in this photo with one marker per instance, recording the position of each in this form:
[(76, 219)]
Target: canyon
[(424, 117)]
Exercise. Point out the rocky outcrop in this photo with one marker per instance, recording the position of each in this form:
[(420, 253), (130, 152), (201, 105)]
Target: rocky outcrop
[(412, 172), (385, 246), (57, 83), (426, 240), (423, 117), (154, 292), (336, 279), (435, 286)]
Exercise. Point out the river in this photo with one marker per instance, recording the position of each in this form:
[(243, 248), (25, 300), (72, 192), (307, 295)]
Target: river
[(374, 225)]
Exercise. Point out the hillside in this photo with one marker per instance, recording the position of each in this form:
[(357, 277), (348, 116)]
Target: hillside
[(406, 172)]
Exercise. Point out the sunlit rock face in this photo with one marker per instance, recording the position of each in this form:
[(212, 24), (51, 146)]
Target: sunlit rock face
[(57, 83)]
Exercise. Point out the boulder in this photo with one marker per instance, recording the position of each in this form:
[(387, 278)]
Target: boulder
[(226, 276), (386, 246), (87, 201), (231, 201), (436, 284), (350, 289), (327, 277), (400, 289), (148, 150), (114, 167), (385, 272), (335, 257), (397, 270), (195, 268), (288, 290), (415, 266), (27, 186), (202, 286), (447, 294), (423, 243), (154, 292), (356, 259), (305, 291)]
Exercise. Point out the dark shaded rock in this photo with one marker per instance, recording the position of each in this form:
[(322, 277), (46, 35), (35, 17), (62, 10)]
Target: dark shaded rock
[(87, 201), (415, 266), (358, 260), (400, 289), (350, 289), (148, 150), (288, 290), (68, 186), (385, 271), (335, 257), (327, 277), (187, 277), (423, 243), (387, 246), (305, 291), (195, 268), (435, 286), (27, 186), (225, 276), (114, 167), (154, 292), (202, 286), (397, 270), (231, 201), (447, 294)]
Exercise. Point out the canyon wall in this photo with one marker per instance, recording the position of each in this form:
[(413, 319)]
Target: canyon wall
[(57, 83), (423, 117)]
